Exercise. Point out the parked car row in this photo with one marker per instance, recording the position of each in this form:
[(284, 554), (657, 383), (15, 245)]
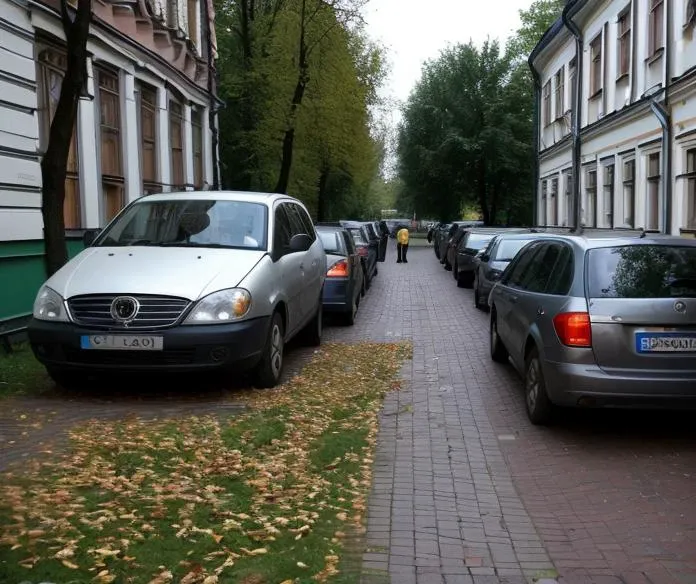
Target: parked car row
[(200, 281), (588, 317)]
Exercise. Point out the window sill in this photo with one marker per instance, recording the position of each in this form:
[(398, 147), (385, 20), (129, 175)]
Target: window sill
[(622, 77), (688, 232), (656, 56), (597, 94)]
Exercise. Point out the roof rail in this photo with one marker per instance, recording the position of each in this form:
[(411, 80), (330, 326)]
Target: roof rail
[(641, 231)]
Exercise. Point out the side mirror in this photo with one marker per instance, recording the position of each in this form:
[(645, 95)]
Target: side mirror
[(89, 236), (300, 242)]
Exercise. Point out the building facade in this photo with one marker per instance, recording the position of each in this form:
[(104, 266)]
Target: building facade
[(148, 123), (616, 116)]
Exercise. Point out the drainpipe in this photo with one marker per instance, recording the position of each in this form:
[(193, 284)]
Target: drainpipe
[(661, 111), (576, 111), (537, 130)]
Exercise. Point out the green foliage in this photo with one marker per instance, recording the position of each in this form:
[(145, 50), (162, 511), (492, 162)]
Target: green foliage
[(336, 152), (466, 136), (535, 21)]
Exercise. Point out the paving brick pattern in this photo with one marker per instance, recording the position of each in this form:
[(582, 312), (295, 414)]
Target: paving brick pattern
[(466, 489)]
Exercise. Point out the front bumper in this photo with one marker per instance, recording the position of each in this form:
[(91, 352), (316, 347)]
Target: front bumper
[(185, 348), (588, 385)]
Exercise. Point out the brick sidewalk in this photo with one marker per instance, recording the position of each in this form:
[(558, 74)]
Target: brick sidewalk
[(467, 490)]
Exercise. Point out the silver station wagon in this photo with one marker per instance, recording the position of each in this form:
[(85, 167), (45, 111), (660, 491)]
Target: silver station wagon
[(599, 319), (185, 281)]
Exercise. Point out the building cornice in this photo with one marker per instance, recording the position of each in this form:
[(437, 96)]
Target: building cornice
[(131, 49)]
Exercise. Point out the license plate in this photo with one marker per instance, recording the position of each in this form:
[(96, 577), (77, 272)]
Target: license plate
[(666, 342), (121, 342)]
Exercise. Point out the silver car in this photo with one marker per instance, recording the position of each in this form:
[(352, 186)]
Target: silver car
[(599, 319), (185, 281)]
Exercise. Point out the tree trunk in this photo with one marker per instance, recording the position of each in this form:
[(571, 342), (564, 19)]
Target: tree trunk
[(55, 160), (300, 86), (322, 194)]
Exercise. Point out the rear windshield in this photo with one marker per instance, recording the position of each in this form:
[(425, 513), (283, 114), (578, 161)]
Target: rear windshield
[(508, 249), (477, 241), (642, 271), (331, 240), (358, 237)]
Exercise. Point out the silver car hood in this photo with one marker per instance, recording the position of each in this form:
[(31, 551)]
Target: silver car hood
[(185, 272)]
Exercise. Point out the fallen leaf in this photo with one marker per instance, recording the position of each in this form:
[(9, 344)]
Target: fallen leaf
[(69, 564), (302, 565)]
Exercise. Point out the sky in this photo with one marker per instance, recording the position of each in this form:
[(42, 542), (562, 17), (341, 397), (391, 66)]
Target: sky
[(414, 31)]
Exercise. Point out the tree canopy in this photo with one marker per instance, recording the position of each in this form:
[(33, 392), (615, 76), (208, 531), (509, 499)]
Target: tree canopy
[(300, 79), (466, 136)]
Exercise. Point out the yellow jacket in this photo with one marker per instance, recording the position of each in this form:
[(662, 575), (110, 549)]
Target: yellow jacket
[(402, 236)]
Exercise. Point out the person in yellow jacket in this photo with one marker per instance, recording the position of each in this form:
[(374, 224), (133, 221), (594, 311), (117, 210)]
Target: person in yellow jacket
[(402, 244)]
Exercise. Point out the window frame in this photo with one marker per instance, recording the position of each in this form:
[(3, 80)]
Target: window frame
[(568, 193), (591, 195), (608, 192), (623, 43), (656, 33), (112, 179), (154, 184), (690, 186), (596, 66), (653, 186), (559, 93), (197, 143), (546, 103), (629, 183), (177, 153)]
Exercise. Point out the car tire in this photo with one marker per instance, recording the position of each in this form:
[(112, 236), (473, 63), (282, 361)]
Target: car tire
[(270, 368), (455, 271), (477, 296), (499, 353), (353, 312), (539, 407), (376, 271), (69, 380), (314, 329)]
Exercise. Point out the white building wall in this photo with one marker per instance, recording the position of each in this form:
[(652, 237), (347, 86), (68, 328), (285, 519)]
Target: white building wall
[(20, 172), (612, 136)]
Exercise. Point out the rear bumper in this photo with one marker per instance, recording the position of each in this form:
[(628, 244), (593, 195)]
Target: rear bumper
[(185, 348), (587, 385), (337, 295)]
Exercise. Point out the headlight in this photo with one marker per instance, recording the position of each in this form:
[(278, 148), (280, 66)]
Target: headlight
[(49, 306), (220, 307)]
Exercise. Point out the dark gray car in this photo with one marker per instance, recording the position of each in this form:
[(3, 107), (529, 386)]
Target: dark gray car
[(465, 260), (599, 318), (496, 256)]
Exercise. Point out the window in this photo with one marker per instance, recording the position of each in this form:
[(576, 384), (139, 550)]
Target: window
[(197, 132), (591, 198), (307, 222), (624, 42), (653, 203), (148, 139), (546, 97), (52, 64), (562, 276), (541, 268), (553, 219), (642, 271), (520, 266), (559, 88), (572, 75), (691, 188), (542, 210), (656, 25), (629, 193), (568, 181), (690, 19), (176, 138), (192, 20), (110, 143), (596, 65), (608, 195), (333, 242), (282, 231)]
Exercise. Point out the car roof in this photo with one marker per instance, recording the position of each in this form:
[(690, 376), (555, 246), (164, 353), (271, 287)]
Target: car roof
[(496, 230), (327, 227), (589, 238), (244, 196)]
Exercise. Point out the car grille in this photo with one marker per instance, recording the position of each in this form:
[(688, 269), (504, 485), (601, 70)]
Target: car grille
[(155, 311)]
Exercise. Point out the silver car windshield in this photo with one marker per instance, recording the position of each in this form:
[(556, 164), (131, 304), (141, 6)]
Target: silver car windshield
[(642, 271), (190, 223), (508, 248)]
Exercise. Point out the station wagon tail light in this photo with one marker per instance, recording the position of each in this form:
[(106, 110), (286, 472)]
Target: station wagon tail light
[(573, 329), (338, 270)]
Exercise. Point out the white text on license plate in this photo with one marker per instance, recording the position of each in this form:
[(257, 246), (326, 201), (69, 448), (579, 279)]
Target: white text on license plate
[(121, 342), (666, 342)]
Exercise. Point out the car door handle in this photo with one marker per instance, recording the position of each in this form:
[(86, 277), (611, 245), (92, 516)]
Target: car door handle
[(540, 311)]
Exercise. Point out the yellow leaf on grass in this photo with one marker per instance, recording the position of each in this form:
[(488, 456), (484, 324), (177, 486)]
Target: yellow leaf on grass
[(341, 516), (70, 565), (104, 577), (256, 552), (162, 578), (302, 565), (212, 579), (65, 553), (105, 552)]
